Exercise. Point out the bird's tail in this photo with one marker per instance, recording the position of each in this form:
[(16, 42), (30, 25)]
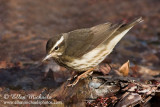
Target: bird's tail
[(130, 24), (120, 32)]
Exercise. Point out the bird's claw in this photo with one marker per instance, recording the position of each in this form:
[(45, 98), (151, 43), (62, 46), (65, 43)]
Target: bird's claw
[(74, 83), (70, 78), (82, 76)]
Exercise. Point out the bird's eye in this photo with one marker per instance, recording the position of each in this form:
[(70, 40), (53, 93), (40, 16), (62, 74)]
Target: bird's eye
[(56, 48)]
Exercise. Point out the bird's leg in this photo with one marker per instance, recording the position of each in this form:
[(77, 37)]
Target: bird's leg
[(73, 75), (82, 76)]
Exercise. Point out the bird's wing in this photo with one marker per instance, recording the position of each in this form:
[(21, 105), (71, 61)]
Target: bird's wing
[(81, 41)]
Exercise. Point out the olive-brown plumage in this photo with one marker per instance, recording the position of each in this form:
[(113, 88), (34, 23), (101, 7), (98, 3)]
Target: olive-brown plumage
[(83, 49)]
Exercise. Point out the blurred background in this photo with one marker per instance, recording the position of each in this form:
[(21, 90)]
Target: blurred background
[(26, 25)]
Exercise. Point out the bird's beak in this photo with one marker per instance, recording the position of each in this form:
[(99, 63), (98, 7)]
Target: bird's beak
[(47, 57)]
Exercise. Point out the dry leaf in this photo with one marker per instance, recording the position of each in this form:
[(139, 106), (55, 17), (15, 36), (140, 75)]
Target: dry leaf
[(124, 69), (5, 64), (146, 70)]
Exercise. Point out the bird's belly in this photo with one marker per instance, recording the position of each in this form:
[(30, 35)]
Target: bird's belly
[(90, 59)]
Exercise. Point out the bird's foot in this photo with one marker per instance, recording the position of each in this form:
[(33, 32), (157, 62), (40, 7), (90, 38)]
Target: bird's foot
[(70, 78), (74, 83), (82, 76)]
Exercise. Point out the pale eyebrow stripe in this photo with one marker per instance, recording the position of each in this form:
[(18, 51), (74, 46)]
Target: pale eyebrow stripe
[(57, 43)]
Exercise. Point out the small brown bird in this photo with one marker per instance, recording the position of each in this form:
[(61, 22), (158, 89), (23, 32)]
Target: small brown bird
[(83, 49)]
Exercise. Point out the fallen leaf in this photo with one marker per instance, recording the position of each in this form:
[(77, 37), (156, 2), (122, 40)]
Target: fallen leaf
[(124, 69), (105, 68), (146, 70), (4, 64)]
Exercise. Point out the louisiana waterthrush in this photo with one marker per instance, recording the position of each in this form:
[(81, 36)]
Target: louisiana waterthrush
[(84, 49)]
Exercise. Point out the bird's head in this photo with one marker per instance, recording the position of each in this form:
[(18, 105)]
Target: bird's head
[(55, 47)]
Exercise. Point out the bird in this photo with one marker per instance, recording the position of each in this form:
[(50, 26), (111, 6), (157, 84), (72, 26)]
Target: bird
[(82, 50)]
